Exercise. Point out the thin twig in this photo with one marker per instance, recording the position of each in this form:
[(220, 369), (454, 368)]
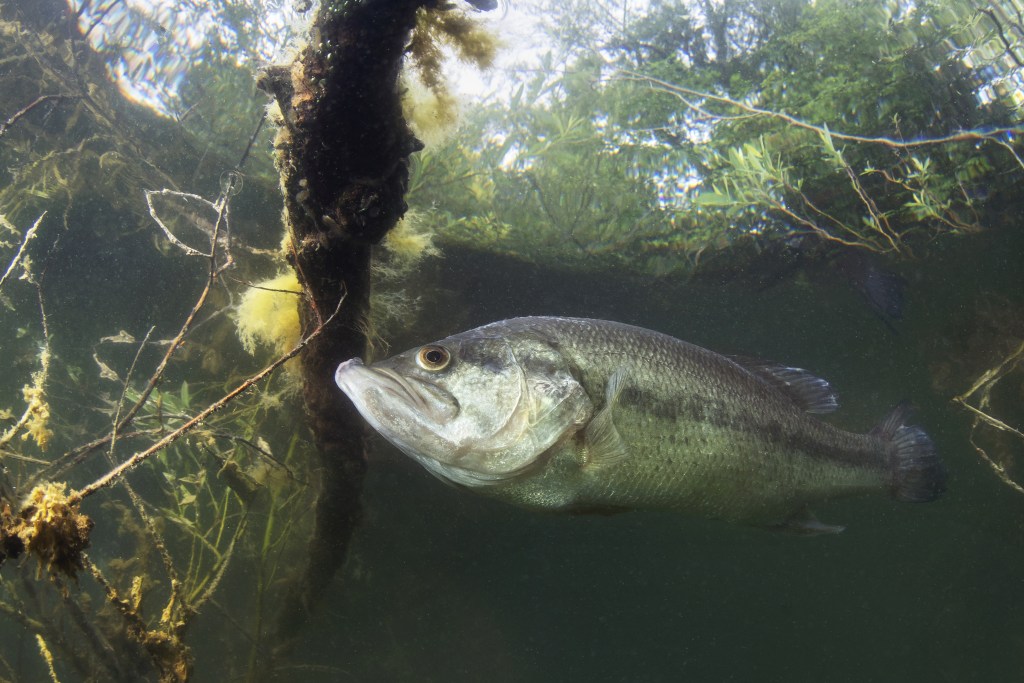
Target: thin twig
[(221, 207), (124, 390), (984, 385), (99, 19), (878, 218), (264, 453), (151, 528), (75, 456), (29, 234), (991, 135), (252, 140), (112, 475), (994, 374), (996, 467), (988, 419), (6, 125), (1008, 47), (47, 656)]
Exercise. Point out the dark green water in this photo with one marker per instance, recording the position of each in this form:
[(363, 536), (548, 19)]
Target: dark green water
[(444, 586)]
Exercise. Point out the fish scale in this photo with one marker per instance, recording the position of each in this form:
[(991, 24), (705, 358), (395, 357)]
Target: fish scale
[(607, 416), (680, 458)]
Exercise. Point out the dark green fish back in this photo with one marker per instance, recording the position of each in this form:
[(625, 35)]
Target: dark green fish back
[(704, 433)]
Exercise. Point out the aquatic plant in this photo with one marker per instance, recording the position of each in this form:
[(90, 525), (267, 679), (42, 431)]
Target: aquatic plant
[(194, 475), (183, 538), (49, 527), (197, 532), (268, 314)]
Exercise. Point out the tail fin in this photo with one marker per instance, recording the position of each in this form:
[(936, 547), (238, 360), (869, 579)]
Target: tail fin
[(918, 476)]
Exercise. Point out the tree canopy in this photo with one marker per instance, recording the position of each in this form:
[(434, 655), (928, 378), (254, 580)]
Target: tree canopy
[(650, 135)]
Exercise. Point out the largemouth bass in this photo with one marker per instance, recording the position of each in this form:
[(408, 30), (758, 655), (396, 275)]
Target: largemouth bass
[(580, 415)]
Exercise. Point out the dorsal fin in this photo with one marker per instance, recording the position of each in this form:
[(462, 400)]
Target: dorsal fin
[(812, 394), (891, 423)]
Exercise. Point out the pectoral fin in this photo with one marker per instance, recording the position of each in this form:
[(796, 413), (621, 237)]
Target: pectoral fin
[(806, 524), (603, 446)]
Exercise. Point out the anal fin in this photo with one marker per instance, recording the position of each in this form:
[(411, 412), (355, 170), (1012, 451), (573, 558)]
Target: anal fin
[(806, 524), (602, 510)]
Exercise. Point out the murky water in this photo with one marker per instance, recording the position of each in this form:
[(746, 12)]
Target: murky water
[(449, 586)]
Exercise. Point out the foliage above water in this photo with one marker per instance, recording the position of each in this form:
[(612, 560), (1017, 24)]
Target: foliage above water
[(650, 136)]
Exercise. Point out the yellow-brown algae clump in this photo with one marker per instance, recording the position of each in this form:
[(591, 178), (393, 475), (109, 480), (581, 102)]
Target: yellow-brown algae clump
[(37, 411), (37, 426), (408, 243), (53, 529), (268, 314), (427, 103)]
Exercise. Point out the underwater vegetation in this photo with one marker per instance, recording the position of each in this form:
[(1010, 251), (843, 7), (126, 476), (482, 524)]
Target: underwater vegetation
[(208, 489), (153, 405), (267, 314), (186, 529), (993, 398), (429, 106)]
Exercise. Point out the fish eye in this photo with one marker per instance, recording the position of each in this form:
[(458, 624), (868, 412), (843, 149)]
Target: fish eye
[(433, 358)]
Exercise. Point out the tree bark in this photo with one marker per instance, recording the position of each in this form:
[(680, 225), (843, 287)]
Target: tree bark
[(342, 151)]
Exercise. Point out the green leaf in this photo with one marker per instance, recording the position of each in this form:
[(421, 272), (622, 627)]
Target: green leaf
[(712, 198), (830, 147)]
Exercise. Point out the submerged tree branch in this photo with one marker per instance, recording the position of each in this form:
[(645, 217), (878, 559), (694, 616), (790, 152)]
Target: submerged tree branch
[(14, 118), (343, 150), (981, 390)]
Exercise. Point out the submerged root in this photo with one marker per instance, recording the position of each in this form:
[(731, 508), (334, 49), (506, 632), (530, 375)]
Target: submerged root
[(171, 656), (49, 527), (168, 652), (978, 400)]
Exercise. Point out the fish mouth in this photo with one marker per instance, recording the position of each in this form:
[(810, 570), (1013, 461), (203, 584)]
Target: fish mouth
[(355, 379)]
